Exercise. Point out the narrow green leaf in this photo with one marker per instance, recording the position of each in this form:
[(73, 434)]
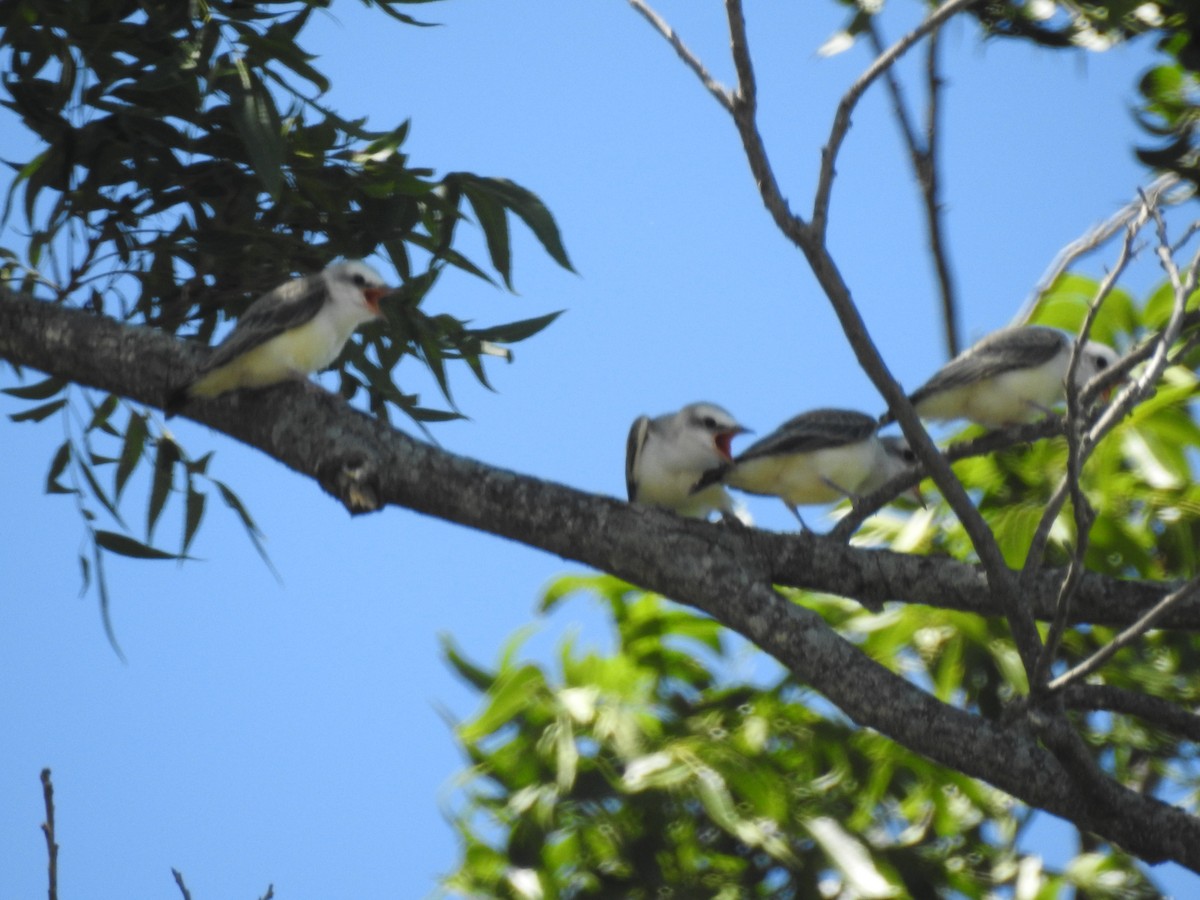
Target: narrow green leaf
[(164, 470), (533, 213), (514, 691), (234, 502), (514, 331), (257, 123), (131, 450), (102, 413), (39, 412), (57, 466), (102, 586), (194, 514), (97, 491), (43, 390), (127, 546), (489, 213), (479, 678)]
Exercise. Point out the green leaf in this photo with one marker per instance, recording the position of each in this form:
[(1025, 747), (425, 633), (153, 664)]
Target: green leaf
[(105, 617), (512, 692), (164, 470), (532, 212), (258, 125), (102, 413), (136, 433), (98, 491), (514, 331), (43, 390), (39, 412), (57, 466), (489, 213), (234, 502), (193, 516), (127, 546)]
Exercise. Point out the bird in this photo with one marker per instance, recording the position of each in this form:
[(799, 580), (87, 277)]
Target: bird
[(820, 456), (667, 456), (1011, 376), (292, 331)]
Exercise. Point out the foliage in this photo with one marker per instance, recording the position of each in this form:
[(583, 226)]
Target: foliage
[(187, 164), (654, 771)]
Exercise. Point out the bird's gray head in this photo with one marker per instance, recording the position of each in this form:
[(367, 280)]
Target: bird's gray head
[(711, 425), (898, 457), (353, 281), (1094, 358)]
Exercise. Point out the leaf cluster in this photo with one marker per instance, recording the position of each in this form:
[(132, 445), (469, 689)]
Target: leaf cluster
[(188, 163), (655, 771)]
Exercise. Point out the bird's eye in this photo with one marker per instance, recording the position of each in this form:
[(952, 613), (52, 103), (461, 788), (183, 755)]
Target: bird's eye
[(908, 455), (709, 422), (359, 280), (1101, 363)]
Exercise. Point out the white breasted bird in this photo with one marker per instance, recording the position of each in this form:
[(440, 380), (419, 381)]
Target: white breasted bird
[(820, 456), (1011, 376), (666, 457), (292, 331)]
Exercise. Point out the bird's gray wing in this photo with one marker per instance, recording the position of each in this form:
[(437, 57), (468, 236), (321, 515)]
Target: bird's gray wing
[(808, 432), (1000, 352), (288, 306), (633, 449)]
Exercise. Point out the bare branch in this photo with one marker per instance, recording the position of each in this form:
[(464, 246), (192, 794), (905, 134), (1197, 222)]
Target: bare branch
[(182, 887), (690, 59), (48, 831), (841, 119), (1079, 448), (924, 161), (1131, 214), (1125, 638), (726, 573)]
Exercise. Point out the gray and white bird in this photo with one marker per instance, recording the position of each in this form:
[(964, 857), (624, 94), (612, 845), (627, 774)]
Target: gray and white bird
[(292, 331), (820, 456), (667, 456), (1011, 376)]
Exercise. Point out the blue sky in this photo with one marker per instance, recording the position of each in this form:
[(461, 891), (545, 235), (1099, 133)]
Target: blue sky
[(292, 733)]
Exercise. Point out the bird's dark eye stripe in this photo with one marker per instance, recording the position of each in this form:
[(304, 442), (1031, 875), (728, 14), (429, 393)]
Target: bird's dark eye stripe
[(359, 280)]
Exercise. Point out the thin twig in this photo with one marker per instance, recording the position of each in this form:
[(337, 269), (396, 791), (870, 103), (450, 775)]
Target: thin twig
[(1076, 453), (690, 59), (1154, 194), (48, 831), (923, 155), (1125, 638), (182, 887), (811, 242), (841, 119)]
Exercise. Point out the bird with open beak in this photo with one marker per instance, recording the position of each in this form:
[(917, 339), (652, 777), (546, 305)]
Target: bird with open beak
[(666, 457), (292, 331), (820, 456), (1010, 377)]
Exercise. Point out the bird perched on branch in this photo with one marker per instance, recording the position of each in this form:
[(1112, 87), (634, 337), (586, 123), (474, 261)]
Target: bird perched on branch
[(666, 457), (292, 331), (1010, 377), (820, 456)]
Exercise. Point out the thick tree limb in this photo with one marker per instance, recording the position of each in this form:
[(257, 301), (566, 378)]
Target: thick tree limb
[(725, 572)]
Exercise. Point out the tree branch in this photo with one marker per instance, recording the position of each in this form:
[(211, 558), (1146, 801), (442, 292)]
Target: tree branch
[(48, 831), (725, 572)]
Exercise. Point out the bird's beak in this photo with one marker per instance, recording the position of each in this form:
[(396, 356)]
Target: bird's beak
[(725, 439), (373, 295)]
